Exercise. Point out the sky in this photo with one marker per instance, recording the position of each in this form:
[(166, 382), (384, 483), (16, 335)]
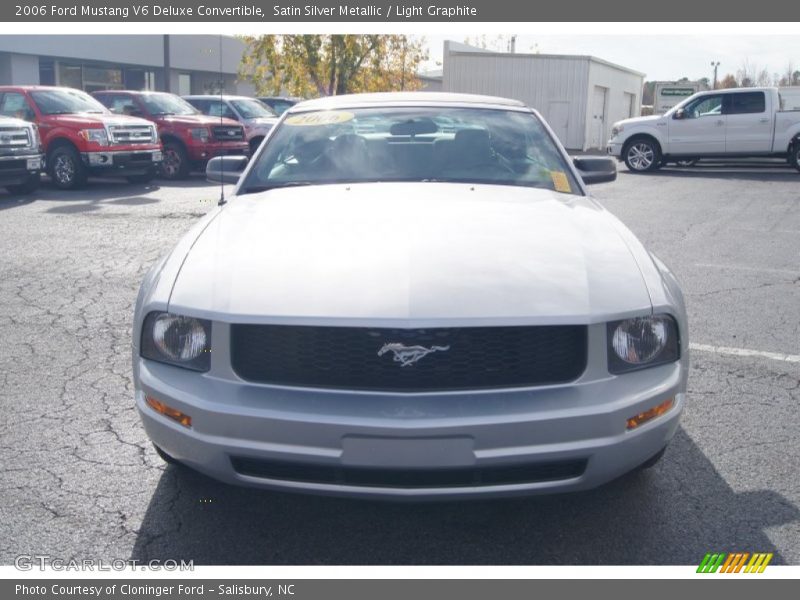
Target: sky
[(660, 57)]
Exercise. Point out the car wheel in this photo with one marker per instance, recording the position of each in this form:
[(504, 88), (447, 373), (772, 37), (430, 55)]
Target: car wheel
[(794, 156), (66, 168), (175, 163), (28, 187), (254, 144), (642, 155), (143, 178), (653, 460)]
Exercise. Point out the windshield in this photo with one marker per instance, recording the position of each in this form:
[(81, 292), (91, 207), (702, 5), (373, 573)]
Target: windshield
[(252, 109), (66, 102), (466, 145), (167, 104)]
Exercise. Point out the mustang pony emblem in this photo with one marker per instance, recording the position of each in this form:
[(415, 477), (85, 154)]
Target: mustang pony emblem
[(408, 355)]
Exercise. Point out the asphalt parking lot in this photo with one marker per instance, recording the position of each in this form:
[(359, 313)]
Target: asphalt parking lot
[(80, 480)]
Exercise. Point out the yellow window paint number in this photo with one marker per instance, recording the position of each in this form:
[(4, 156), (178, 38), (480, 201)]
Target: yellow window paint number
[(330, 117), (560, 181)]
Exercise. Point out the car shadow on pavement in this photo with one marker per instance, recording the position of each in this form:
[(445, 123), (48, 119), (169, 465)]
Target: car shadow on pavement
[(14, 201), (671, 514), (748, 171)]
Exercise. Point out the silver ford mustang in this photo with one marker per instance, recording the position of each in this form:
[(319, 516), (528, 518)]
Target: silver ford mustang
[(411, 296)]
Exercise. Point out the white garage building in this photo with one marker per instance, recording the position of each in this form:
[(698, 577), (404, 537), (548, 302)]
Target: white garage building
[(579, 96)]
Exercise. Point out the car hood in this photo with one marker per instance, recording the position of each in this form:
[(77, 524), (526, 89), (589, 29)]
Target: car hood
[(262, 121), (651, 119), (86, 119), (195, 120), (416, 252)]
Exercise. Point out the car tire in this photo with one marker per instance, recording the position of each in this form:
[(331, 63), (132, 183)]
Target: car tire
[(642, 155), (254, 144), (794, 155), (653, 460), (28, 187), (175, 163), (66, 169), (141, 179)]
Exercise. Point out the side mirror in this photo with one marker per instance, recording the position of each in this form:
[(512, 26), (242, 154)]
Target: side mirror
[(595, 169), (679, 114), (225, 169)]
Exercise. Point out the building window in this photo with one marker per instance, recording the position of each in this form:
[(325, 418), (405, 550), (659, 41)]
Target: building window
[(101, 78), (69, 75), (47, 72), (139, 79), (184, 84)]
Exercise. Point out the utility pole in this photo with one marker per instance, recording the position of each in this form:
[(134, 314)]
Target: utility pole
[(167, 70), (715, 65)]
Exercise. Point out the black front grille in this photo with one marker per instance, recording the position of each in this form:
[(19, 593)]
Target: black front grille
[(410, 478), (229, 133), (373, 359)]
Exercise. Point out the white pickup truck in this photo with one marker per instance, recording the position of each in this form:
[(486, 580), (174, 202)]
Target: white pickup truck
[(739, 122)]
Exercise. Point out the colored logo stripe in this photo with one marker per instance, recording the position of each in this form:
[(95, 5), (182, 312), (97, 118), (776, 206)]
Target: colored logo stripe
[(734, 562)]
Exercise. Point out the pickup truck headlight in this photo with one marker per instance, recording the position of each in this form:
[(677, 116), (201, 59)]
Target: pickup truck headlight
[(616, 129), (199, 133), (177, 340), (36, 139), (98, 136), (642, 342)]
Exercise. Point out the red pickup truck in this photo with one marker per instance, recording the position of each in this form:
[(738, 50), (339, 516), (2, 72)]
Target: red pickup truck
[(81, 137), (190, 138)]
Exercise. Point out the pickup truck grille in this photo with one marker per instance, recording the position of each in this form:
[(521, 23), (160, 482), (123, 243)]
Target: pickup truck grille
[(131, 134), (14, 138), (228, 133), (456, 359)]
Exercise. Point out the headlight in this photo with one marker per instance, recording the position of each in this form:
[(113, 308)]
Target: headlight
[(642, 342), (36, 138), (199, 133), (616, 129), (155, 135), (98, 136), (177, 340)]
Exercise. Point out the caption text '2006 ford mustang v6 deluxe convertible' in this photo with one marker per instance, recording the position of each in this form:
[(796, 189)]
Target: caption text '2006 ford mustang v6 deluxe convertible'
[(411, 295)]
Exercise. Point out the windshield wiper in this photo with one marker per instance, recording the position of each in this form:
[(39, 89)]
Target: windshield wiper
[(254, 189)]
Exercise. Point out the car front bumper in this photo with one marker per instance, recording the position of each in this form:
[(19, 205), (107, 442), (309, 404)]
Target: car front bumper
[(16, 170), (614, 148), (125, 162), (412, 446), (201, 154)]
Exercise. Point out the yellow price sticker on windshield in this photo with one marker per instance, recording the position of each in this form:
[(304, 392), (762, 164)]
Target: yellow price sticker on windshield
[(560, 181), (328, 117)]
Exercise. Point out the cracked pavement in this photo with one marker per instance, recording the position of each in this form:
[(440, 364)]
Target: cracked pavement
[(81, 480)]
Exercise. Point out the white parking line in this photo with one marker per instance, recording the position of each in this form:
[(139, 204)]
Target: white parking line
[(791, 358), (746, 268)]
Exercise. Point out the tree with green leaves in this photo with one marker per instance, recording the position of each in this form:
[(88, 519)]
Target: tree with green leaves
[(327, 65)]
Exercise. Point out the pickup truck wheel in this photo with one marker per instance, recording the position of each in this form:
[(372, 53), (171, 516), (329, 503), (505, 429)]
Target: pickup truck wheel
[(175, 164), (66, 168), (642, 155), (794, 156), (28, 187)]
